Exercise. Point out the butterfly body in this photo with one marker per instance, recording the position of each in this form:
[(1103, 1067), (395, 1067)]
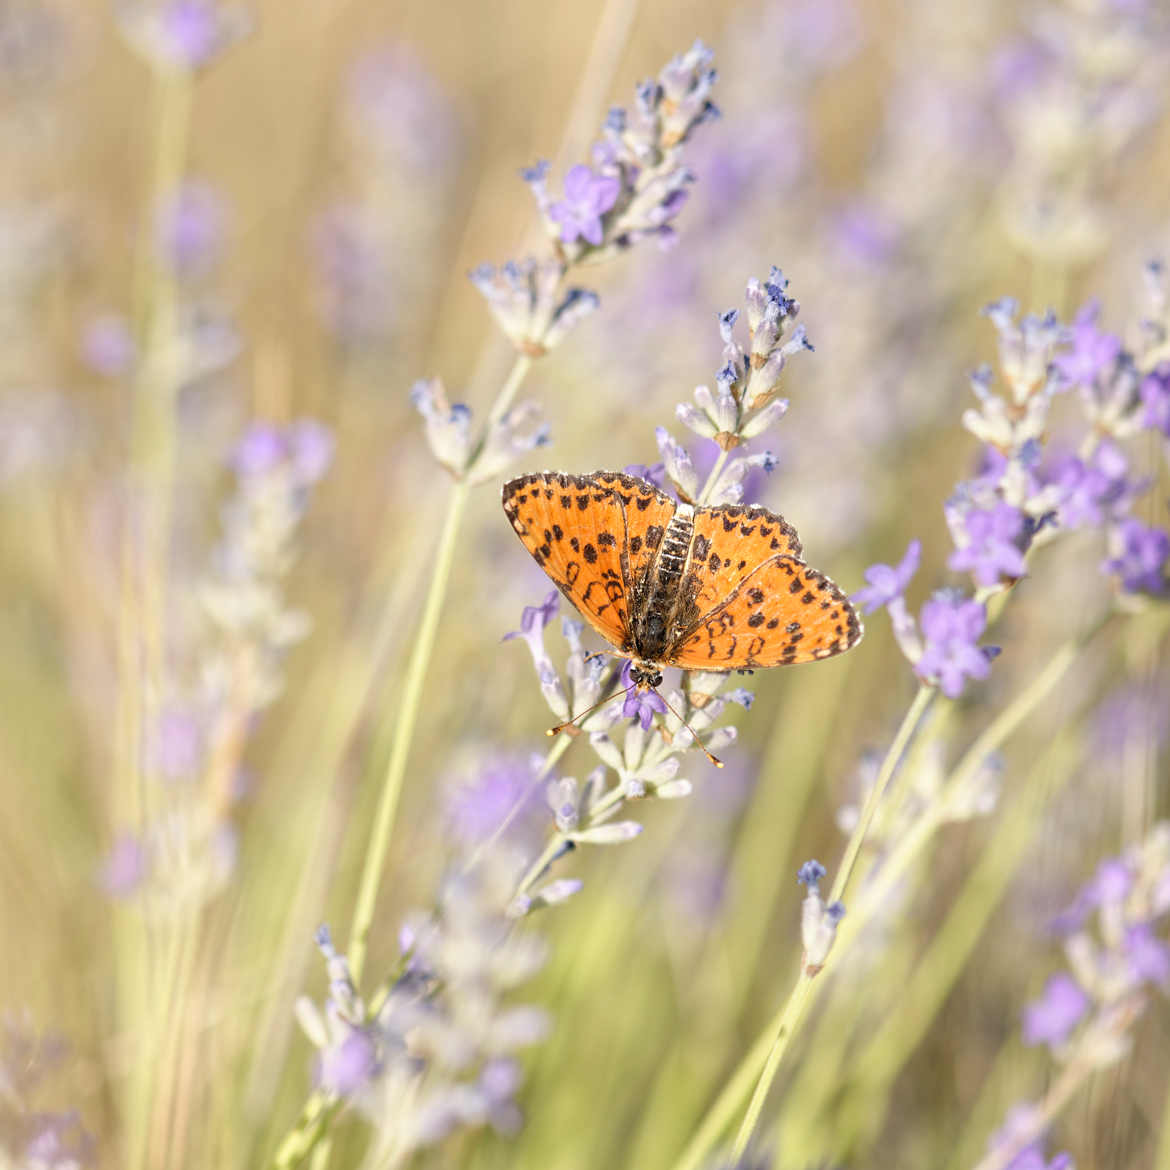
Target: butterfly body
[(672, 584)]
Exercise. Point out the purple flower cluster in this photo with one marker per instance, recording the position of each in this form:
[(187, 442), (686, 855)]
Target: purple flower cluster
[(1114, 968), (743, 404), (439, 1054), (1087, 1015), (633, 188), (449, 435), (183, 35), (1018, 499)]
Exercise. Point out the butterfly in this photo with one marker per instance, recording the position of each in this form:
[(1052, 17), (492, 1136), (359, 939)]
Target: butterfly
[(673, 584)]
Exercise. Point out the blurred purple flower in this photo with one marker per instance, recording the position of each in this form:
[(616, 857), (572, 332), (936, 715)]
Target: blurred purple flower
[(312, 445), (1141, 558), (1155, 392), (261, 449), (182, 34), (1020, 1122), (642, 706), (124, 868), (190, 228), (1091, 492), (993, 550), (58, 1142), (348, 1067), (654, 473), (1092, 351), (503, 790), (306, 444), (865, 234), (357, 293), (951, 627), (885, 582), (402, 111), (107, 345), (588, 196), (1051, 1018), (1147, 956), (178, 744), (192, 28)]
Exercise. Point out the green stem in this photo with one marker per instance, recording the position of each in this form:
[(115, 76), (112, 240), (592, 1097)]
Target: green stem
[(875, 892), (713, 476), (793, 1011), (910, 722), (416, 669)]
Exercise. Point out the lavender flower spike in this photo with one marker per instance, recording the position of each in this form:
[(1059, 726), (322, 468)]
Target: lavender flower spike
[(885, 582)]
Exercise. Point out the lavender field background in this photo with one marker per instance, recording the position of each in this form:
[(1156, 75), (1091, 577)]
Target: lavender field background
[(290, 873)]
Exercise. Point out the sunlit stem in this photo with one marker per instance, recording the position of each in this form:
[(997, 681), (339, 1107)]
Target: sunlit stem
[(406, 718), (908, 849), (793, 1011), (713, 476)]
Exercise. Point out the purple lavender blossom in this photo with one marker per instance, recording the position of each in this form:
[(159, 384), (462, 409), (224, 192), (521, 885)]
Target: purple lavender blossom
[(640, 705), (951, 627), (1146, 955), (108, 345), (534, 618), (992, 551), (1141, 559), (305, 444), (588, 196), (125, 867), (654, 473), (177, 746), (261, 449), (504, 790), (192, 29), (1155, 392), (58, 1142), (1020, 1121), (348, 1067), (1051, 1018), (1092, 491), (190, 228), (182, 34), (810, 875), (1092, 351), (885, 582)]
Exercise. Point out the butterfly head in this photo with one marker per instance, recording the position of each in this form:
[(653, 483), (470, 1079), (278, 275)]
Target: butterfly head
[(645, 676)]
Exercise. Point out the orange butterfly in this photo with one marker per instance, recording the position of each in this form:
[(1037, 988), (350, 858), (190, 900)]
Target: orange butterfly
[(670, 584)]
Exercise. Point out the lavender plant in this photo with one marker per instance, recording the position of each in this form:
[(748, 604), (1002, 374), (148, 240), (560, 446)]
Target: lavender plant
[(633, 193), (1087, 1017), (996, 520)]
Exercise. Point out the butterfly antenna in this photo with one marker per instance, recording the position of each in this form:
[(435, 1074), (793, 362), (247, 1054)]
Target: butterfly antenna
[(694, 735), (589, 710)]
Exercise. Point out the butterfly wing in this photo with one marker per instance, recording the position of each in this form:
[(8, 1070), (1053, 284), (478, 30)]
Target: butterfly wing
[(575, 529), (647, 513), (729, 542), (782, 612)]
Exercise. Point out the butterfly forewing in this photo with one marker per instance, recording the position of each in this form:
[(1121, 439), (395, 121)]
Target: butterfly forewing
[(781, 613), (575, 530), (648, 511)]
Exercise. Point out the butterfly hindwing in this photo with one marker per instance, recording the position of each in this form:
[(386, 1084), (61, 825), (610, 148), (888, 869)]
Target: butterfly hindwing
[(782, 612), (575, 530), (730, 542)]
